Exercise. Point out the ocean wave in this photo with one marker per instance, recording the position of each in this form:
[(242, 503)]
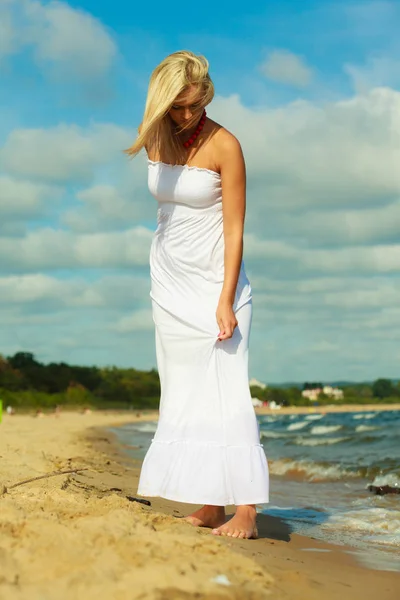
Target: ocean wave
[(147, 427), (365, 415), (314, 417), (267, 418), (391, 479), (321, 429), (360, 428), (379, 524), (296, 426), (273, 434), (309, 471), (319, 442)]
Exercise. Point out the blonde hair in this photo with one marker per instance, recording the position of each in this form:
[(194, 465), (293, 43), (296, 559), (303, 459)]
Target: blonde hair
[(170, 78)]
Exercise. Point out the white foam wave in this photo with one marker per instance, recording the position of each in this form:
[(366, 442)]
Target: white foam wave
[(379, 524), (392, 479), (296, 426), (361, 428), (144, 427), (321, 429), (364, 415), (308, 470), (268, 419), (314, 417), (272, 434), (319, 441)]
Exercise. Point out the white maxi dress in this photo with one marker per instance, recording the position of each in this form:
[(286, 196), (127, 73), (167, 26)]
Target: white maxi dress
[(206, 449)]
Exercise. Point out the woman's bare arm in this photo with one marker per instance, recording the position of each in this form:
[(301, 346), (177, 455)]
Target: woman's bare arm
[(233, 179)]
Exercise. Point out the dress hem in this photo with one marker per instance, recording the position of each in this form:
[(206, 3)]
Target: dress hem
[(207, 444), (229, 502)]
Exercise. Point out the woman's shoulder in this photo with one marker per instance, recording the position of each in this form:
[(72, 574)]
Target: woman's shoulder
[(222, 137), (225, 143)]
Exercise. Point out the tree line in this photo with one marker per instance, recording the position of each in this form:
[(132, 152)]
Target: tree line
[(27, 383)]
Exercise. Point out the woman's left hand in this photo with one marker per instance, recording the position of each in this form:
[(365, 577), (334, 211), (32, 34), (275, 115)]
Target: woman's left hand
[(226, 320)]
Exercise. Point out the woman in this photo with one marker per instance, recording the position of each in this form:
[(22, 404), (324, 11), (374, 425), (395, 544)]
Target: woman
[(206, 449)]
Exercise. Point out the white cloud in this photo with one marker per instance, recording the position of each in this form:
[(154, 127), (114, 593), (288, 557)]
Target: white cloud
[(293, 259), (67, 43), (65, 153), (30, 288), (82, 317), (8, 41), (344, 227), (24, 199), (71, 40), (324, 346), (104, 207), (51, 249), (360, 293), (378, 71), (285, 67), (141, 320), (342, 154), (257, 247), (374, 260), (371, 18), (112, 292)]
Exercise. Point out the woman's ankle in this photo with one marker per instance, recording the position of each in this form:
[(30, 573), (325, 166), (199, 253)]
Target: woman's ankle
[(249, 508)]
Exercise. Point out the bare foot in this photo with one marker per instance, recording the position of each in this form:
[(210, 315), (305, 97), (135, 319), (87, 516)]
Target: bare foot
[(207, 516), (242, 525)]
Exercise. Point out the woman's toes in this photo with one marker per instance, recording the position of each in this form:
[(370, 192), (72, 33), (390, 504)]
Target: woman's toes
[(242, 535)]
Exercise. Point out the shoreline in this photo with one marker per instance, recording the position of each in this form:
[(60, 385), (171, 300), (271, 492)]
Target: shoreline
[(329, 408), (77, 536), (320, 563)]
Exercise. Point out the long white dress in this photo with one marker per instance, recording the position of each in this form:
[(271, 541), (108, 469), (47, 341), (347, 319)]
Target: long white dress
[(206, 449)]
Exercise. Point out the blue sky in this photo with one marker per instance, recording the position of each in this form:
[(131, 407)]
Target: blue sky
[(311, 89)]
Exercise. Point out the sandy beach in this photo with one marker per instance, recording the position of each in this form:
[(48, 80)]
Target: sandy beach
[(76, 536)]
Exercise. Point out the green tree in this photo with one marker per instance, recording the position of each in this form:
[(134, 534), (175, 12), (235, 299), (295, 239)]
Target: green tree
[(22, 360), (383, 388), (258, 392), (312, 385)]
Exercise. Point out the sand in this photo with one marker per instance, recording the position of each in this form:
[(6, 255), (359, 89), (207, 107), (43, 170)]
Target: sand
[(77, 536)]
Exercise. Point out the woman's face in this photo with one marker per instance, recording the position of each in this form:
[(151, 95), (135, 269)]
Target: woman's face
[(187, 106)]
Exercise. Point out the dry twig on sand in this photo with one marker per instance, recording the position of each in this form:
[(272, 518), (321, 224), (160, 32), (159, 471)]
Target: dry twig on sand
[(5, 488)]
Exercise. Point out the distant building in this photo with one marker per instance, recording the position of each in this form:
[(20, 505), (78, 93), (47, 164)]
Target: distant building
[(257, 402), (327, 390), (274, 405), (335, 393), (311, 394)]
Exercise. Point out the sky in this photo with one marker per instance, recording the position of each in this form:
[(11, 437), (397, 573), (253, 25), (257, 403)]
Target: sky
[(311, 90)]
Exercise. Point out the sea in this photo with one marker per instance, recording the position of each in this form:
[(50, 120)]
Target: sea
[(321, 465)]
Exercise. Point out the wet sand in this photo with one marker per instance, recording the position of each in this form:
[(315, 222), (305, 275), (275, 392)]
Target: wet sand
[(77, 536)]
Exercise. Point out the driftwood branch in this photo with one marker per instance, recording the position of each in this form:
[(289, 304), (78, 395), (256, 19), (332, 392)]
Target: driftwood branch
[(53, 474)]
